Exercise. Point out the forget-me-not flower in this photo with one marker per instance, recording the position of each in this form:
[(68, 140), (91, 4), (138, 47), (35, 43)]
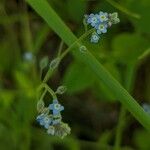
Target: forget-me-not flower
[(56, 107), (93, 20), (103, 17), (28, 56), (100, 22), (146, 108), (101, 28), (44, 120), (95, 37)]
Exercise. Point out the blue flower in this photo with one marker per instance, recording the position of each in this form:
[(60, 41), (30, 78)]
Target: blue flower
[(92, 19), (44, 120), (101, 28), (28, 56), (95, 37), (103, 17), (146, 108), (56, 107)]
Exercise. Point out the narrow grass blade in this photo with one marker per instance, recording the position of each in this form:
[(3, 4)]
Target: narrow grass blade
[(48, 14)]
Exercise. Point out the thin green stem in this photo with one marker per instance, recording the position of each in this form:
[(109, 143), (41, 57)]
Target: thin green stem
[(26, 33), (48, 75), (129, 80), (44, 85), (60, 48), (120, 127), (77, 42), (43, 94), (50, 71), (85, 24)]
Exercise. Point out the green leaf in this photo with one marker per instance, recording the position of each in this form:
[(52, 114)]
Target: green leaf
[(128, 47), (105, 138), (78, 77), (142, 8), (141, 139), (22, 80), (24, 84), (7, 97), (123, 9)]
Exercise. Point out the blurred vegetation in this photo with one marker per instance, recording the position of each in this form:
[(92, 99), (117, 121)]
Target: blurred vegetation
[(90, 108)]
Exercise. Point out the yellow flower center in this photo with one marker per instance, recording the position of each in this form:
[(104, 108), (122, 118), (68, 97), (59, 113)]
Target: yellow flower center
[(102, 17), (57, 106), (101, 27)]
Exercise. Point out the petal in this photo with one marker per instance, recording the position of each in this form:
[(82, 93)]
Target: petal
[(104, 30), (56, 112), (106, 14), (99, 32), (51, 106), (46, 126), (89, 20), (61, 108), (92, 24), (106, 25), (55, 101), (41, 122), (101, 13), (91, 15)]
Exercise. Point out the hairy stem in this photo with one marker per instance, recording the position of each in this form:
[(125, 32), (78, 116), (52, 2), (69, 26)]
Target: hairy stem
[(50, 71)]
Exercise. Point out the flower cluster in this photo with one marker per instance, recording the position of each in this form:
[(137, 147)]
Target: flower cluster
[(50, 118), (101, 22)]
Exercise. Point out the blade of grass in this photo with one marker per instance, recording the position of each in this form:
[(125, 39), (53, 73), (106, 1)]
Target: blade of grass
[(26, 34), (48, 14)]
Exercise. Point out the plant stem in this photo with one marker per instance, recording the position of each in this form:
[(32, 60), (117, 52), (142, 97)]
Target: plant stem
[(44, 85), (50, 71), (43, 94), (60, 48), (77, 42), (26, 33), (120, 127), (85, 25), (129, 80)]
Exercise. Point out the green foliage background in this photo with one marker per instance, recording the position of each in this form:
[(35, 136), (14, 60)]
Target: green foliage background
[(91, 109)]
